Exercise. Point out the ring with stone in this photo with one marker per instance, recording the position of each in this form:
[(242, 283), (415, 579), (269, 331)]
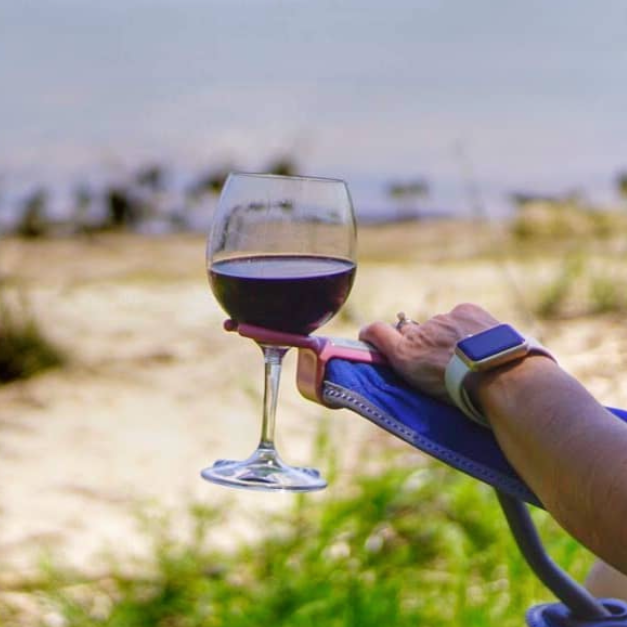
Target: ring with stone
[(403, 320)]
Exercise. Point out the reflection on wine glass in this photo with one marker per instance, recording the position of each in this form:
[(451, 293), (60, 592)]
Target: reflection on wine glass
[(281, 255)]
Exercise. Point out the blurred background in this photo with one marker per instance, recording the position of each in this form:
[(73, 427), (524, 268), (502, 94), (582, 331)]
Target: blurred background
[(527, 98), (485, 146)]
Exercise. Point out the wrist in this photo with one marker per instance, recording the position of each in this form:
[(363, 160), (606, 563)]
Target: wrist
[(511, 384)]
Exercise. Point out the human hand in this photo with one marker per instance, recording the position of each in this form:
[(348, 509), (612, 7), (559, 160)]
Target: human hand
[(421, 352)]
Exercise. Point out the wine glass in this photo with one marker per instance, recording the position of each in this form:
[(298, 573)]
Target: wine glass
[(281, 255)]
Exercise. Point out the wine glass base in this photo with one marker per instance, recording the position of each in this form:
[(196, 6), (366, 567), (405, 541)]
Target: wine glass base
[(266, 471)]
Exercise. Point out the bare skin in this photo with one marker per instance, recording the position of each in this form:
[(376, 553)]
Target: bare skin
[(569, 449)]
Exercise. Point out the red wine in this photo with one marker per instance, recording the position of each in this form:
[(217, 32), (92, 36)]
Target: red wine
[(290, 293)]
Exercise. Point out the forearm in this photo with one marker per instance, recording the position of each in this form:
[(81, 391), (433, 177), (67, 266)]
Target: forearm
[(569, 449)]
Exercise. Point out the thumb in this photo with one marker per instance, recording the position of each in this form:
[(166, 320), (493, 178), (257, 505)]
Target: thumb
[(382, 336)]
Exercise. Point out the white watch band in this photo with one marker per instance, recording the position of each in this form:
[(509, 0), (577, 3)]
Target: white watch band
[(457, 372)]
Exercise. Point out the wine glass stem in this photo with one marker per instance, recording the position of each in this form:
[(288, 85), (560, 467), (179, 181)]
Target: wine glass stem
[(273, 358)]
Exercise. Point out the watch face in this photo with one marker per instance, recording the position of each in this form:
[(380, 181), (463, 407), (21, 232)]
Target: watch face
[(490, 342)]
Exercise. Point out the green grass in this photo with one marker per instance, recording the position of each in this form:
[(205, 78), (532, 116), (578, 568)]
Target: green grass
[(554, 299), (607, 294), (25, 351), (405, 546), (584, 285)]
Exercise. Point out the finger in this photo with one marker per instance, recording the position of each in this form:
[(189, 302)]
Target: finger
[(383, 336)]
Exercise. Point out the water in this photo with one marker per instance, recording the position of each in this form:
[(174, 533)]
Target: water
[(526, 96)]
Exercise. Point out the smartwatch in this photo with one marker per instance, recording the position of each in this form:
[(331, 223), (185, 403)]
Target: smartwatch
[(483, 352)]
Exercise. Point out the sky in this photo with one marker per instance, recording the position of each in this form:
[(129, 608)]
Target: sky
[(515, 96)]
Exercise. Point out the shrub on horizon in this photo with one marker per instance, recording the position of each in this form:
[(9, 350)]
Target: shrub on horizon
[(33, 222)]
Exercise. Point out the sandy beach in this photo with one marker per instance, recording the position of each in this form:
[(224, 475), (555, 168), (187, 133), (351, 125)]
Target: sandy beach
[(155, 390)]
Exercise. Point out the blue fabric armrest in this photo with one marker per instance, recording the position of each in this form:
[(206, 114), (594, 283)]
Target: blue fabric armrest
[(438, 429)]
